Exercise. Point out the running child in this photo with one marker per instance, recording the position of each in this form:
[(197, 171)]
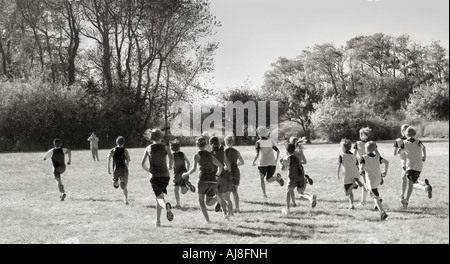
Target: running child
[(224, 186), (360, 150), (349, 165), (181, 165), (416, 154), (235, 159), (120, 161), (207, 176), (370, 164), (58, 154), (266, 160), (398, 142), (296, 174), (156, 154), (298, 153)]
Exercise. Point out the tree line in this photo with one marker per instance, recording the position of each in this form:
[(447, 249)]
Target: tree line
[(376, 80), (129, 58), (68, 67)]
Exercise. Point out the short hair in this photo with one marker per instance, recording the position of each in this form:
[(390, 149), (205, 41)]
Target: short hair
[(205, 134), (346, 144), (229, 140), (293, 140), (57, 142), (263, 131), (153, 134), (371, 146), (120, 141), (175, 145), (404, 127), (200, 142), (214, 141), (290, 148), (411, 131), (365, 132)]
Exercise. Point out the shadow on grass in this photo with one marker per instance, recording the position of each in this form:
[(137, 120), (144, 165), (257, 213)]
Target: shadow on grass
[(244, 231), (272, 204), (441, 212)]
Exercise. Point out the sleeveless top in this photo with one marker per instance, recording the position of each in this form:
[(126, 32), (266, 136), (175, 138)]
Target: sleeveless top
[(179, 163), (58, 157), (207, 169), (119, 157), (296, 172), (233, 157), (158, 162)]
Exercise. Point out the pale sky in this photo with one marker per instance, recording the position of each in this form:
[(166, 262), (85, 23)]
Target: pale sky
[(255, 33)]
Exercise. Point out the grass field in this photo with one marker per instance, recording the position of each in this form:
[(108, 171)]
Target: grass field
[(93, 212)]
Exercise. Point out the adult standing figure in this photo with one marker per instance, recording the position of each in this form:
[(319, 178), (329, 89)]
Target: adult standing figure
[(93, 140)]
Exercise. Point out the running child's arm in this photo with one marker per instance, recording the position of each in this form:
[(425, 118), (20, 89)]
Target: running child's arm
[(218, 165), (188, 164), (169, 154), (143, 161), (127, 157), (255, 159), (339, 166), (386, 166), (424, 151), (192, 170), (240, 159), (48, 154), (303, 158), (226, 162), (69, 154), (109, 163)]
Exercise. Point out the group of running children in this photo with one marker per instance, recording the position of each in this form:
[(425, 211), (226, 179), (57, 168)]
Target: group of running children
[(219, 174)]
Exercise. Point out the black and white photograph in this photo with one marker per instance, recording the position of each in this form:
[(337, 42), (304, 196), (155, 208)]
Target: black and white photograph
[(224, 128)]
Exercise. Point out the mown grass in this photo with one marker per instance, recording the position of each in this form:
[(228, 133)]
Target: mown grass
[(94, 212)]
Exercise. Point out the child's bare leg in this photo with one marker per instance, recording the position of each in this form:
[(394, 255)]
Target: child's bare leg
[(125, 194), (409, 190), (420, 185), (229, 203), (60, 185), (404, 184), (288, 198), (263, 184), (201, 201), (236, 197), (293, 198), (349, 194), (177, 195), (223, 203)]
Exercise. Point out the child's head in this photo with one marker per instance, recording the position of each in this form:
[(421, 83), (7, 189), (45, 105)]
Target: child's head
[(200, 142), (155, 134), (410, 132), (229, 140), (262, 131), (364, 133), (371, 146), (293, 140), (175, 145), (120, 141), (346, 145), (57, 143), (290, 148), (403, 129), (205, 134), (214, 142)]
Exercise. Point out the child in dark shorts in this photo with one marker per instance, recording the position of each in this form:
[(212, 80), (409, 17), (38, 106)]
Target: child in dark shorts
[(157, 153), (235, 159), (209, 169), (180, 165), (57, 154), (121, 159)]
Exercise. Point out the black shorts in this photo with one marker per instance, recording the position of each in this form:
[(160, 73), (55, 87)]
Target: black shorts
[(58, 170), (267, 171), (347, 187), (159, 185), (412, 175), (375, 192)]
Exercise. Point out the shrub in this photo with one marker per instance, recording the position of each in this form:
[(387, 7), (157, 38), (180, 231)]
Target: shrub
[(334, 119), (430, 102)]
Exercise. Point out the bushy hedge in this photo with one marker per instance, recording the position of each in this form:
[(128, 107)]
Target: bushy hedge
[(334, 119), (33, 114)]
